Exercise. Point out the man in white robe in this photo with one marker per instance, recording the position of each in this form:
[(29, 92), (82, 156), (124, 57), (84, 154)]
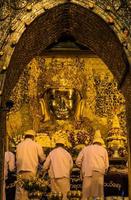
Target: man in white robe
[(93, 161), (59, 164), (9, 165), (28, 155)]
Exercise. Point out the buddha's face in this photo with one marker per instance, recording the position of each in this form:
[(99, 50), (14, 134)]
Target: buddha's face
[(62, 102)]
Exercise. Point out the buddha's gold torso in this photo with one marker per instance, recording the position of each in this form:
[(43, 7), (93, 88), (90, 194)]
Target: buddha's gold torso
[(63, 109)]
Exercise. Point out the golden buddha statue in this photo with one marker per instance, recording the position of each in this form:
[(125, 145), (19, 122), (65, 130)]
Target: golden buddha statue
[(62, 89), (63, 102)]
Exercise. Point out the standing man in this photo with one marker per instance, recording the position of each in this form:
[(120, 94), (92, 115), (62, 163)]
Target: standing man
[(59, 164), (28, 155), (93, 161), (9, 165)]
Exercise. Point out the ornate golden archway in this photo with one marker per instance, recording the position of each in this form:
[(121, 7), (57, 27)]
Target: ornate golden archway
[(37, 25)]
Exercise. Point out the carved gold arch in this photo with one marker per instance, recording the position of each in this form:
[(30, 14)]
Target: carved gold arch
[(27, 15)]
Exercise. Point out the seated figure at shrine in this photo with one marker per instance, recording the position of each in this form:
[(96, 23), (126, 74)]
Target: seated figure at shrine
[(64, 88)]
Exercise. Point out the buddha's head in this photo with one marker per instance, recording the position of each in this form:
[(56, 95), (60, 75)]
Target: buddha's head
[(62, 85), (62, 102)]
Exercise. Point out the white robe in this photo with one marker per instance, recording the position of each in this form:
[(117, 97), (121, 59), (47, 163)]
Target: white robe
[(59, 164), (28, 155), (9, 164), (93, 161), (93, 158)]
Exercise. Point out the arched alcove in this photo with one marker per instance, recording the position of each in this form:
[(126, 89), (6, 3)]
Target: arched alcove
[(86, 27)]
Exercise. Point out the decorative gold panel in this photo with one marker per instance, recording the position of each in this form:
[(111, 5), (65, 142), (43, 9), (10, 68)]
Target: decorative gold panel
[(99, 98)]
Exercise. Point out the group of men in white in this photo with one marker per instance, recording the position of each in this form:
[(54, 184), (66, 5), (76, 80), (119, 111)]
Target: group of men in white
[(92, 160)]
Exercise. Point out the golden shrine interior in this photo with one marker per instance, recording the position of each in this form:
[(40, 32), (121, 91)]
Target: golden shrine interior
[(68, 92), (65, 72), (80, 78)]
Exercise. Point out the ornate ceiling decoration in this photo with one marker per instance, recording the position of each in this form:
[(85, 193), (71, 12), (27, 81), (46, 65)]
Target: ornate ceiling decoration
[(16, 16), (117, 10), (120, 8)]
